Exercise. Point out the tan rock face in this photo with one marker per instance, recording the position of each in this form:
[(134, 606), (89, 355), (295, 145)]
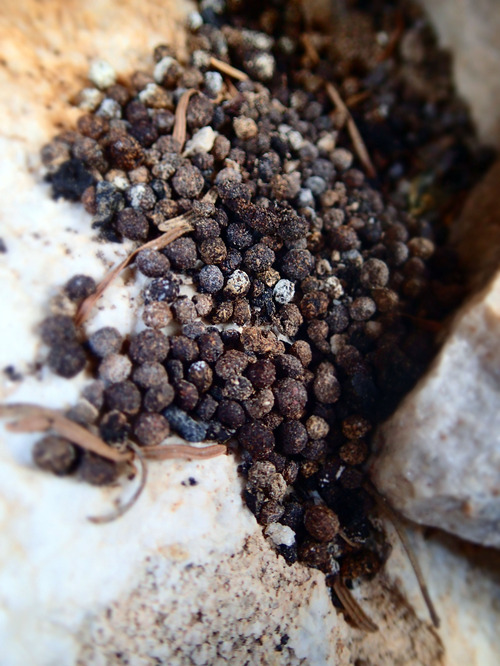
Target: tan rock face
[(476, 234), (439, 460), (471, 30), (186, 576)]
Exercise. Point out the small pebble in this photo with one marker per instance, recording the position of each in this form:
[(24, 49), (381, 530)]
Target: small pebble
[(55, 454)]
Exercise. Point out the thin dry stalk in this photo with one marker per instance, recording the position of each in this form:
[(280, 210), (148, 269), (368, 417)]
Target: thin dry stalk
[(232, 90), (123, 508), (173, 228), (228, 69), (310, 49), (356, 138), (171, 451), (34, 418), (394, 39), (179, 131), (352, 608), (356, 99), (400, 530)]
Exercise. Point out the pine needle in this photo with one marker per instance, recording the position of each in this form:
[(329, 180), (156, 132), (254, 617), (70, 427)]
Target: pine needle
[(310, 49), (173, 228), (228, 69), (34, 418), (356, 138), (400, 530), (123, 508), (179, 132), (352, 608), (171, 451)]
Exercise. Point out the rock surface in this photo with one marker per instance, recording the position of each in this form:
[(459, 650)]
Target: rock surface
[(476, 234), (186, 576), (439, 460), (471, 30)]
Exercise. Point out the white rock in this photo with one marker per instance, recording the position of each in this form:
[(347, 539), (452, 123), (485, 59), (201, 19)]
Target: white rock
[(89, 99), (109, 108), (284, 291), (161, 68), (238, 283), (258, 40), (194, 21), (281, 535), (440, 461), (102, 74), (213, 82), (264, 65), (201, 142)]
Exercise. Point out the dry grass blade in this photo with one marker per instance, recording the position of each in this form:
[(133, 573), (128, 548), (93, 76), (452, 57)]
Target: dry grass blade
[(173, 228), (123, 508), (398, 526), (167, 452), (179, 132), (228, 69), (356, 99), (356, 138), (352, 608), (231, 88), (310, 49), (35, 418), (394, 39)]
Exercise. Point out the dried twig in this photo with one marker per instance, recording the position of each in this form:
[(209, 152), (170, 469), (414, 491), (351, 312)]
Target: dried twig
[(170, 451), (394, 38), (173, 228), (352, 608), (425, 324), (179, 131), (35, 418), (356, 138), (357, 98), (228, 69), (123, 508), (400, 530), (310, 49), (231, 88)]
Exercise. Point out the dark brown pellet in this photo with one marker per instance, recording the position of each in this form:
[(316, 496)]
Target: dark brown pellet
[(55, 454), (321, 523), (149, 346), (124, 397), (97, 470), (151, 429)]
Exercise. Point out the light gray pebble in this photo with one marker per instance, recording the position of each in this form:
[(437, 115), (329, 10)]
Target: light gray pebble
[(213, 83), (102, 74), (316, 184), (305, 198), (114, 368), (109, 108), (284, 291)]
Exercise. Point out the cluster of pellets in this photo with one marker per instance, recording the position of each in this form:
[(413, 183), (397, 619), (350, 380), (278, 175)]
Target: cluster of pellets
[(308, 278)]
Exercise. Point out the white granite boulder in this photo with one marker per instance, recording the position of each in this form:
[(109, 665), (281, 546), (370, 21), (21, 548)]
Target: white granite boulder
[(439, 460)]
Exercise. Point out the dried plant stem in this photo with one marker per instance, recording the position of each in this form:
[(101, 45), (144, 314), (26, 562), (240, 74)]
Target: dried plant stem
[(173, 229), (310, 49), (400, 530), (34, 418), (170, 451), (228, 69), (179, 131), (123, 508), (394, 39), (352, 608), (231, 88), (356, 138)]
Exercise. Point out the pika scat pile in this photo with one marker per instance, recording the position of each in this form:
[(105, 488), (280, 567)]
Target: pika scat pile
[(318, 283)]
